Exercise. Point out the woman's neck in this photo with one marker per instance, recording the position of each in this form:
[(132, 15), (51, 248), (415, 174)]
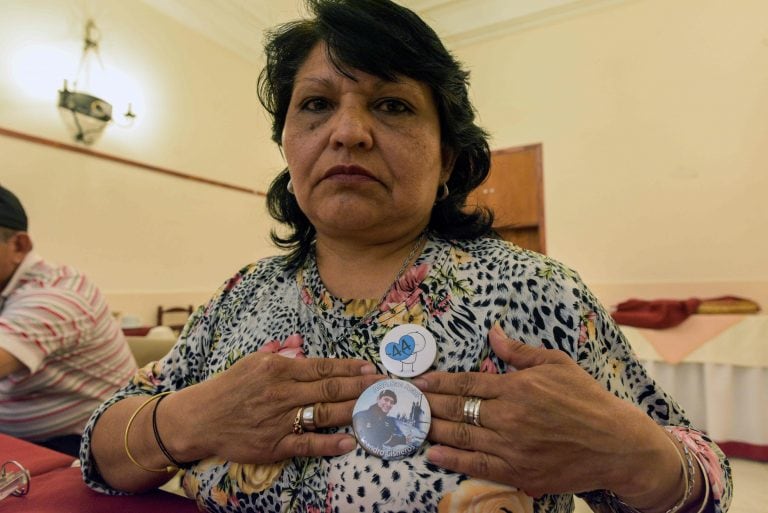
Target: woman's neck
[(354, 270)]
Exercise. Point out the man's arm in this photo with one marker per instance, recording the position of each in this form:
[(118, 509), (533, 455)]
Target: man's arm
[(396, 437), (9, 364)]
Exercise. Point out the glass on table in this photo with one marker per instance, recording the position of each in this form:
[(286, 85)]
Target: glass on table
[(14, 479)]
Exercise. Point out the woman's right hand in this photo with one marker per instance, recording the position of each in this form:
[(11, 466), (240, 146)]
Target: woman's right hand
[(246, 413)]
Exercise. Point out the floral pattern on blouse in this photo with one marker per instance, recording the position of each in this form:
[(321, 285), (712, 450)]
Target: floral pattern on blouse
[(456, 289), (479, 496)]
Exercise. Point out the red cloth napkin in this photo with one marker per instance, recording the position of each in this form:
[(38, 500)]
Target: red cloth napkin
[(655, 314)]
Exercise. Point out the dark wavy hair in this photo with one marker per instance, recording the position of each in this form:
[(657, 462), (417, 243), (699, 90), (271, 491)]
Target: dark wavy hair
[(380, 38)]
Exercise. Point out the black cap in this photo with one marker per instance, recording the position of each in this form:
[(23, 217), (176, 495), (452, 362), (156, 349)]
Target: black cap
[(388, 393), (12, 214)]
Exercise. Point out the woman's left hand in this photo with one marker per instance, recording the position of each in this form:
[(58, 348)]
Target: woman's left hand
[(548, 427)]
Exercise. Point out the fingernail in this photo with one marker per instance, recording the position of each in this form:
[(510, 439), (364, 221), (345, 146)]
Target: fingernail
[(435, 455), (497, 331), (419, 383), (368, 369), (347, 444)]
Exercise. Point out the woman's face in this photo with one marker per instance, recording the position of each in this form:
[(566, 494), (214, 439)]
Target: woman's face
[(364, 155)]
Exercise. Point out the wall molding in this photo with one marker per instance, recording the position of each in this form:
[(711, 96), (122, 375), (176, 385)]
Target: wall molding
[(489, 27), (128, 162)]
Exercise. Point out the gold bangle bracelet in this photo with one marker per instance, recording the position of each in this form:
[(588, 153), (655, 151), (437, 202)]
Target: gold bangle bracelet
[(168, 468), (686, 459), (707, 486)]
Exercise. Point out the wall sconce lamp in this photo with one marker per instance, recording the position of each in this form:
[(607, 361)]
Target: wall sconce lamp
[(85, 115)]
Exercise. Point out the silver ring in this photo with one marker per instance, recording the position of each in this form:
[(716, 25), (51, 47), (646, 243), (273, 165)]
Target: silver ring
[(472, 411), (308, 418)]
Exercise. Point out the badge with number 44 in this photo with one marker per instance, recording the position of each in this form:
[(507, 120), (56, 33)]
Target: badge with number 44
[(408, 350)]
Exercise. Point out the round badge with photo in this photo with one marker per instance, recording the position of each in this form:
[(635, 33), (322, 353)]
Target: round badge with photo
[(391, 419)]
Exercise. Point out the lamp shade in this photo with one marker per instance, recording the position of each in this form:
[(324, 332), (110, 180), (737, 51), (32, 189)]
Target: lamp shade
[(85, 115)]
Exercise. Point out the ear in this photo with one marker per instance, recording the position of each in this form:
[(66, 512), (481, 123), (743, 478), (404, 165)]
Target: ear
[(20, 244), (448, 157)]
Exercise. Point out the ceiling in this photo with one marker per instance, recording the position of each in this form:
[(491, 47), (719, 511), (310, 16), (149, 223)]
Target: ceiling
[(239, 24)]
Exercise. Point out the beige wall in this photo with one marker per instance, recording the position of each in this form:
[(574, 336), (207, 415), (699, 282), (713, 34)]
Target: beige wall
[(653, 116), (145, 238)]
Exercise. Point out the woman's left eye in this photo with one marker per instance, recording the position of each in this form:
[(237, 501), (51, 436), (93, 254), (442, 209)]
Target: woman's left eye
[(393, 106)]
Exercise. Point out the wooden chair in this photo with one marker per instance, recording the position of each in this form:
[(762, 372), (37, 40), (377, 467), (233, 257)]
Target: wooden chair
[(177, 312)]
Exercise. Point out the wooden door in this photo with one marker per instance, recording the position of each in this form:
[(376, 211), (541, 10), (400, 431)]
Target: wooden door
[(514, 190)]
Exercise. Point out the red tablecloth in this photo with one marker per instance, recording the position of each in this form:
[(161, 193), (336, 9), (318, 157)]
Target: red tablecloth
[(60, 488), (35, 458), (63, 491)]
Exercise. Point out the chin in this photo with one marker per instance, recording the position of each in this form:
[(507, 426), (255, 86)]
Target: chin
[(348, 216), (348, 225)]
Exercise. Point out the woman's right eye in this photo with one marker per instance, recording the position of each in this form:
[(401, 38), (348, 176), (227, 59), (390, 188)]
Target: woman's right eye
[(315, 104)]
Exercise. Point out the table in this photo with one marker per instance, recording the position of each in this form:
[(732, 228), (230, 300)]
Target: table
[(35, 458), (57, 487), (148, 348), (716, 367)]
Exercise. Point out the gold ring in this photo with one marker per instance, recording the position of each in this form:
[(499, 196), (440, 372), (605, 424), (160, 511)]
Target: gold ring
[(298, 428)]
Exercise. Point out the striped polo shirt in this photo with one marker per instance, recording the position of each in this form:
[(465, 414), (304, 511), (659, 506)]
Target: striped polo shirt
[(56, 322)]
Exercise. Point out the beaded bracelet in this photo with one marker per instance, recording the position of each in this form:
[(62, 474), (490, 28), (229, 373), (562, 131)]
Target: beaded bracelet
[(169, 468), (686, 461)]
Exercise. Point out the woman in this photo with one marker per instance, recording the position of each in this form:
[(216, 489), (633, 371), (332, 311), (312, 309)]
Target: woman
[(372, 115)]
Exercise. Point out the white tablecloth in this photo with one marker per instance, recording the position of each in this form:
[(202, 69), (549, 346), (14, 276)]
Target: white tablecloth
[(149, 348), (722, 384)]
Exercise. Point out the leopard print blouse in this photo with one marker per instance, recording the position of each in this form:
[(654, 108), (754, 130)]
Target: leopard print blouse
[(457, 290)]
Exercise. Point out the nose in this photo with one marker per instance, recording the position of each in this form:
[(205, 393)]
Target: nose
[(352, 128)]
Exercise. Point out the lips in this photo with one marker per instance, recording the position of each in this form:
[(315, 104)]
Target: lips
[(348, 172)]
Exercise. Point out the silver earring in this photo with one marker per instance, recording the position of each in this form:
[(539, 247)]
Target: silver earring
[(444, 193), (289, 187)]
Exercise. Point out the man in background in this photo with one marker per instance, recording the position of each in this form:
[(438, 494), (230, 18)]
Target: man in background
[(61, 351)]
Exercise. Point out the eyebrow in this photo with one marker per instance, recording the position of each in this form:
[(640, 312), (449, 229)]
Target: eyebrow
[(378, 84), (315, 80)]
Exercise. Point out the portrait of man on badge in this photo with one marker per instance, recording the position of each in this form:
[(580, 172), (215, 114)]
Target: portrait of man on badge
[(391, 420)]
